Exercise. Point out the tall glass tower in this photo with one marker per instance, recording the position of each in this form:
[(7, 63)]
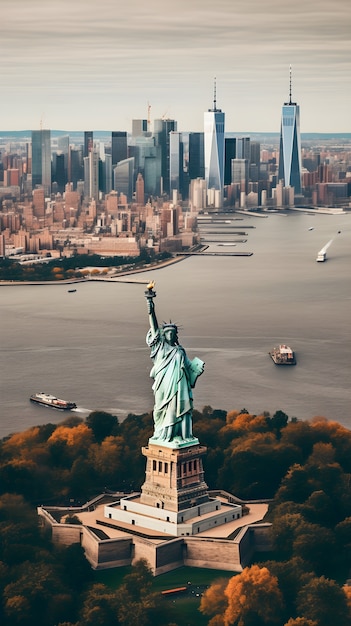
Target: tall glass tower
[(41, 159), (290, 145), (214, 146), (162, 129)]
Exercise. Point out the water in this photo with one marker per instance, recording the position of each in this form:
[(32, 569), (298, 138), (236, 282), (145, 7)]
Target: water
[(89, 346)]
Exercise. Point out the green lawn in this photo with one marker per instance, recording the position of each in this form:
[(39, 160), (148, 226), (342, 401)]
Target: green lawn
[(177, 578), (182, 609)]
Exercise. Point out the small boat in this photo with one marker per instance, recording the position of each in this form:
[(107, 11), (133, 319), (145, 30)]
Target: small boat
[(52, 402), (72, 290), (283, 355), (322, 254)]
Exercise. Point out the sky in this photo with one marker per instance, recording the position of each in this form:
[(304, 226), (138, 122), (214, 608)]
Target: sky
[(98, 64)]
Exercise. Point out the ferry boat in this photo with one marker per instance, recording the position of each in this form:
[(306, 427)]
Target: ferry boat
[(47, 399), (283, 355)]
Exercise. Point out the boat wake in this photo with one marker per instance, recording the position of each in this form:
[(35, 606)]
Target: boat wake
[(80, 409)]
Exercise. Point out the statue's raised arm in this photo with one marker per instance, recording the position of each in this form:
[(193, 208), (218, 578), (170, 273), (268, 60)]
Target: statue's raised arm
[(174, 377), (150, 294)]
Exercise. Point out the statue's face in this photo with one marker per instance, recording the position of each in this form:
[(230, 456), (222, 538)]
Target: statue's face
[(170, 335)]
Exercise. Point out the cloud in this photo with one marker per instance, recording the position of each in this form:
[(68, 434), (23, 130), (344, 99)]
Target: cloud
[(167, 51)]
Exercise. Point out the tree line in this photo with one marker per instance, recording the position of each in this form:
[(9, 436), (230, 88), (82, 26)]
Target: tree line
[(68, 268), (302, 467)]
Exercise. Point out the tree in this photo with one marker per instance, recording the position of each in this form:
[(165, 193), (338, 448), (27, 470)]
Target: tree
[(324, 601), (102, 424), (291, 576), (300, 621), (136, 600), (278, 421), (39, 590), (77, 571), (295, 486), (99, 608), (253, 598), (316, 545), (214, 601)]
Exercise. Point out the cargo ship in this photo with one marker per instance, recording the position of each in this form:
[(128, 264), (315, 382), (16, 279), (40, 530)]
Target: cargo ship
[(283, 355), (52, 402)]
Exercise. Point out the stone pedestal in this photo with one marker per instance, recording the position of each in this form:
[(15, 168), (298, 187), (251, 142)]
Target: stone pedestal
[(174, 498), (174, 477)]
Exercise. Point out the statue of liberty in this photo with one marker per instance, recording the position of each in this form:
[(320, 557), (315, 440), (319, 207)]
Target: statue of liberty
[(174, 377)]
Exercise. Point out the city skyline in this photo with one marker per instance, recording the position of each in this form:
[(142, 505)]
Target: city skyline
[(95, 65)]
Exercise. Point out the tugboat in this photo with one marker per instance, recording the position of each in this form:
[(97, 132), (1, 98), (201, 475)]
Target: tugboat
[(283, 355), (51, 401)]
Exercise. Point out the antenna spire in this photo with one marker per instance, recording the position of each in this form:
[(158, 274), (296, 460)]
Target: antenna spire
[(214, 109), (291, 103)]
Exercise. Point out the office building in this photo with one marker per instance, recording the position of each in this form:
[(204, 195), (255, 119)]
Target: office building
[(41, 159), (243, 148), (175, 162), (140, 128), (240, 173), (162, 129), (63, 148), (76, 169), (119, 148), (140, 190), (255, 152), (91, 175), (88, 142), (196, 156), (214, 147), (290, 145), (229, 155), (59, 172), (124, 178)]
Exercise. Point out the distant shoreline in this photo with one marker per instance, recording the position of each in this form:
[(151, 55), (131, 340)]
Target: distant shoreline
[(108, 279)]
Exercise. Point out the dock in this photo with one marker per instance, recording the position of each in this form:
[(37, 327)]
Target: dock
[(214, 253)]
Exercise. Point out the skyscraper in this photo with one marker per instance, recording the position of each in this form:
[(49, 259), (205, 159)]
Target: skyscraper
[(243, 148), (214, 147), (240, 173), (229, 155), (88, 142), (196, 157), (290, 145), (124, 177), (41, 159), (175, 161), (91, 175), (119, 146), (162, 128)]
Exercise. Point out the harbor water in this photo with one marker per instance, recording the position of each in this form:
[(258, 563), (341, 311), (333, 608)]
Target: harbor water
[(89, 346)]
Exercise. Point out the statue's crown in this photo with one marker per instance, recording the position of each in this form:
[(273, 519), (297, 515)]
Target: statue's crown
[(166, 325)]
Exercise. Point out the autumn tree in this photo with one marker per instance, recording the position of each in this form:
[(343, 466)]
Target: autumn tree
[(214, 601), (253, 599)]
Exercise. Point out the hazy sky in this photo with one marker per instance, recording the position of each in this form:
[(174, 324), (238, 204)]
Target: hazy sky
[(96, 64)]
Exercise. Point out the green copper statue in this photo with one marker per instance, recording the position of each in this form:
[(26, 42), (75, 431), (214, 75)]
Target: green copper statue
[(174, 377)]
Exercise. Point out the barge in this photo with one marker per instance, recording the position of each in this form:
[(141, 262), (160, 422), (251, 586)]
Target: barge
[(283, 355), (52, 402)]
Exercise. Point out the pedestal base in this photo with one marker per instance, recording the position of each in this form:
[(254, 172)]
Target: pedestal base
[(174, 477), (174, 498)]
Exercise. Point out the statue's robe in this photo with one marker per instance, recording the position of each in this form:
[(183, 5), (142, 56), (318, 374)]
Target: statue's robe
[(173, 380)]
